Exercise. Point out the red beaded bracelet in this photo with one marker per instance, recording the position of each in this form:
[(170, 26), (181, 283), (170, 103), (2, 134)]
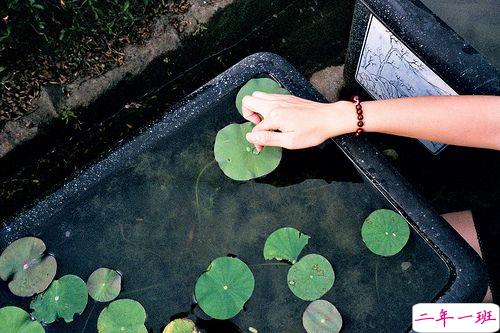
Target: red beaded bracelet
[(359, 112)]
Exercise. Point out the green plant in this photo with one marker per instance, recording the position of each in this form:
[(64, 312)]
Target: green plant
[(262, 84), (322, 317), (16, 320), (311, 277), (224, 288), (104, 284), (200, 28), (24, 263), (123, 315), (238, 159), (285, 244), (68, 115), (183, 325), (47, 23), (63, 299), (385, 232)]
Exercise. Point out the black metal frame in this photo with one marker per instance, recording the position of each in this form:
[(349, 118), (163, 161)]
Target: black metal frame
[(468, 283)]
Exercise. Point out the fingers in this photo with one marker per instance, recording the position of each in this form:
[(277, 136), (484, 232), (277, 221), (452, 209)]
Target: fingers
[(269, 138), (252, 106), (267, 124), (280, 97), (264, 125), (252, 116)]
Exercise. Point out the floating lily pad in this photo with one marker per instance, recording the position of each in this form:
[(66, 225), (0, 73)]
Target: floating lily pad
[(16, 320), (311, 277), (224, 288), (63, 299), (104, 284), (322, 317), (183, 325), (123, 315), (238, 158), (24, 263), (263, 84), (285, 244), (385, 232)]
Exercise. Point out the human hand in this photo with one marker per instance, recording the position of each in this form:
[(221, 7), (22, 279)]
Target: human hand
[(292, 122)]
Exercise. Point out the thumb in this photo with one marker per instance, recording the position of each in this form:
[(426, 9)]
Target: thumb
[(268, 138)]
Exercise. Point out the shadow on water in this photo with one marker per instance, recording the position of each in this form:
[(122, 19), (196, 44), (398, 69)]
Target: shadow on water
[(325, 162)]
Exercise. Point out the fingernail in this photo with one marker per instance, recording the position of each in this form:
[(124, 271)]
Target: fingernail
[(250, 137)]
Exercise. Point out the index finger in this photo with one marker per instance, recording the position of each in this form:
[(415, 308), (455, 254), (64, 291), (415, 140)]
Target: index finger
[(254, 105)]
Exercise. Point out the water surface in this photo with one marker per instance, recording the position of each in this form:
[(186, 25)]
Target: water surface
[(162, 218)]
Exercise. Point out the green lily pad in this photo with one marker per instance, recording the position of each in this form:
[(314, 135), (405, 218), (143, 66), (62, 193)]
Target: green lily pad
[(123, 315), (263, 84), (224, 288), (285, 244), (16, 320), (24, 263), (322, 317), (104, 284), (63, 299), (385, 232), (311, 277), (238, 159), (183, 325)]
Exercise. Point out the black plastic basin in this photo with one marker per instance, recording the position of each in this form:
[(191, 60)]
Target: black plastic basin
[(159, 209)]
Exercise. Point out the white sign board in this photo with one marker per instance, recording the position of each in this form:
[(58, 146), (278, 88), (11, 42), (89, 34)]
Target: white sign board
[(387, 68)]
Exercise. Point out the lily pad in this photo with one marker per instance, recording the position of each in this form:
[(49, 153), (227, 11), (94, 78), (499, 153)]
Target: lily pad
[(311, 277), (16, 320), (104, 284), (322, 317), (123, 315), (285, 244), (183, 325), (238, 159), (63, 299), (385, 232), (224, 288), (263, 84), (24, 263)]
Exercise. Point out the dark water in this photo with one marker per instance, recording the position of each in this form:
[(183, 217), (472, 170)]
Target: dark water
[(162, 219), (477, 21)]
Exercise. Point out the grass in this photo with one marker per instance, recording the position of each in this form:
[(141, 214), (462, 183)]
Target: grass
[(54, 42)]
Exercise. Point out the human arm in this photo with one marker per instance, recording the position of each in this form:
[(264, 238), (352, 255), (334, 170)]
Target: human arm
[(294, 123)]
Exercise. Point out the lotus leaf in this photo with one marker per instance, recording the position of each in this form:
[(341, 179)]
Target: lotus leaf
[(263, 84), (63, 299), (238, 159), (24, 263), (224, 288), (123, 315), (285, 244), (321, 317), (16, 320), (183, 325), (104, 284), (311, 277), (385, 232)]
